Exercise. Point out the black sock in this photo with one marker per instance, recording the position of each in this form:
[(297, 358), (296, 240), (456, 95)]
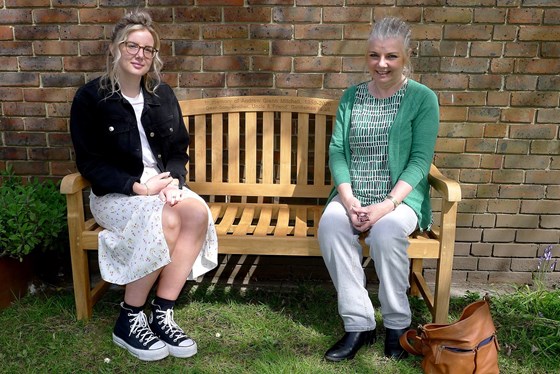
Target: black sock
[(135, 309), (164, 304)]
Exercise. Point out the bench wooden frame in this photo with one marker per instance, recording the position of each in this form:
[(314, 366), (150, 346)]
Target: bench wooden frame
[(261, 163)]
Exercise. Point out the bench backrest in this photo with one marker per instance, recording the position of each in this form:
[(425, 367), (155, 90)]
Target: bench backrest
[(259, 146)]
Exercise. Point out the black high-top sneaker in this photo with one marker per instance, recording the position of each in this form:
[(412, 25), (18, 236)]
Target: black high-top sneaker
[(133, 333), (162, 324)]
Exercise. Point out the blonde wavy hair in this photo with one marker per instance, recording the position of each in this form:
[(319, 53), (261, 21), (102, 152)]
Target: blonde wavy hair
[(133, 21)]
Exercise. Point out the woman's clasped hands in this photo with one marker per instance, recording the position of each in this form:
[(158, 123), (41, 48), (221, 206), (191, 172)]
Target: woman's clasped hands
[(363, 218), (166, 187)]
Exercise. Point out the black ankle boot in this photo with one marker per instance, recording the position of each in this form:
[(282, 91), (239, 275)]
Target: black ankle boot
[(393, 348), (349, 344)]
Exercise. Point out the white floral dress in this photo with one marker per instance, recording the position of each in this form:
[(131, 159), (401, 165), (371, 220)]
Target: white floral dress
[(133, 245)]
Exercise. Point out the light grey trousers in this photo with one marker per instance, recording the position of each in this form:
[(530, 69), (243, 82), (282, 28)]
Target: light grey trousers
[(388, 242)]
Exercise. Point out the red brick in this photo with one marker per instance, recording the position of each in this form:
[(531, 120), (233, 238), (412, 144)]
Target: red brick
[(49, 154), (548, 83), (504, 32), (498, 98), (453, 113), (197, 48), (296, 47), (8, 64), (270, 31), (444, 48), (490, 49), (538, 66), (30, 167), (55, 16), (551, 16), (197, 14), (348, 48), (521, 49), (533, 132), (483, 114), (531, 99), (55, 47), (211, 31), (77, 32), (246, 47), (457, 161), (427, 32), (359, 31), (481, 145), (43, 63), (320, 32), (413, 15), (276, 64), (548, 116), (525, 15), (342, 15), (548, 33), (27, 3), (342, 81), (469, 32), (299, 80), (317, 64), (99, 15), (202, 80), (13, 153), (489, 15), (62, 80), (514, 249), (518, 115), (502, 65), (537, 236), (464, 65), (15, 16), (508, 146), (18, 79), (486, 81), (550, 222), (85, 63), (545, 147), (250, 14), (463, 98), (448, 15), (475, 176), (225, 63), (544, 177), (220, 2), (495, 130), (507, 176), (15, 49), (550, 50), (249, 80), (446, 81), (450, 145)]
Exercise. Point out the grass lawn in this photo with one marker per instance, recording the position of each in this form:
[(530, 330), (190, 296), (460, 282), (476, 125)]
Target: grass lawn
[(256, 330)]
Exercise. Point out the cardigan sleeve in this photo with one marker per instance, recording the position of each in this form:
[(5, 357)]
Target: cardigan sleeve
[(339, 148)]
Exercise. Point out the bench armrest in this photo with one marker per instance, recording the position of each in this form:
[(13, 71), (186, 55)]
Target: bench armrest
[(73, 183), (449, 189)]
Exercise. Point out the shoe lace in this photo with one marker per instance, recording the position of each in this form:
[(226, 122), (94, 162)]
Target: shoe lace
[(140, 328), (171, 329)]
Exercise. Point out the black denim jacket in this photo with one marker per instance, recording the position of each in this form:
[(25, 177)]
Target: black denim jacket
[(107, 141)]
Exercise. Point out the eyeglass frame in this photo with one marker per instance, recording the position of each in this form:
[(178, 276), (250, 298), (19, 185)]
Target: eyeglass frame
[(153, 54)]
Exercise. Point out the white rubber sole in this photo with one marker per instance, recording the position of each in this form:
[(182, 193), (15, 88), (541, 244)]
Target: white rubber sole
[(158, 351), (183, 352)]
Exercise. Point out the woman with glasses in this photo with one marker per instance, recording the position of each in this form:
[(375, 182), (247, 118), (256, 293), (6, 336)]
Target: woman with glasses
[(131, 144)]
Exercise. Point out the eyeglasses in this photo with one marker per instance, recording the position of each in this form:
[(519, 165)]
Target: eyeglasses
[(133, 49)]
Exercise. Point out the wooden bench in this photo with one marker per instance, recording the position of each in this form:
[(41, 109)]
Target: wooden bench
[(261, 163)]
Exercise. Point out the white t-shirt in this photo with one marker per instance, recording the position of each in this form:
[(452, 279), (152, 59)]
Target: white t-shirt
[(148, 158)]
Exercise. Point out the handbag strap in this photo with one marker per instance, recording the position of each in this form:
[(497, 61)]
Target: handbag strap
[(416, 347)]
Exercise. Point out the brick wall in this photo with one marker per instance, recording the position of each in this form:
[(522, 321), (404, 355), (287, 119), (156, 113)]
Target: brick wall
[(494, 64)]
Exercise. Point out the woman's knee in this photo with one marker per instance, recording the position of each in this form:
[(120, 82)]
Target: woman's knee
[(193, 213)]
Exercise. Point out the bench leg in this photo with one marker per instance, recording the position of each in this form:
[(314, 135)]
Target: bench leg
[(416, 266), (80, 276), (445, 263)]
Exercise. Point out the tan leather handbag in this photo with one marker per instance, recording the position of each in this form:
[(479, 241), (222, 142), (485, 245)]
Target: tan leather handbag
[(466, 346)]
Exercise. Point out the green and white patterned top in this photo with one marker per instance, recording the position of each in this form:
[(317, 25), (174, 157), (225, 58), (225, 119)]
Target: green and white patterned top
[(369, 139)]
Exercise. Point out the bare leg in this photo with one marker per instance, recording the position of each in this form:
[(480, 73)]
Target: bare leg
[(184, 227)]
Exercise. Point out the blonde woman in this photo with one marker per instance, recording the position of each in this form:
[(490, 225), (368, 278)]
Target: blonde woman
[(131, 144)]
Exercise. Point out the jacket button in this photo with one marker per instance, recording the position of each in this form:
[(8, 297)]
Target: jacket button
[(159, 156), (171, 129), (152, 135), (111, 128)]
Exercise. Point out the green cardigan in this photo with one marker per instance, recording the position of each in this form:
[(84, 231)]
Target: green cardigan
[(412, 139)]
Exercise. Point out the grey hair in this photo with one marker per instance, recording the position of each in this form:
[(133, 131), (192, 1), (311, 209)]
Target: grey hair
[(133, 21), (394, 28)]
